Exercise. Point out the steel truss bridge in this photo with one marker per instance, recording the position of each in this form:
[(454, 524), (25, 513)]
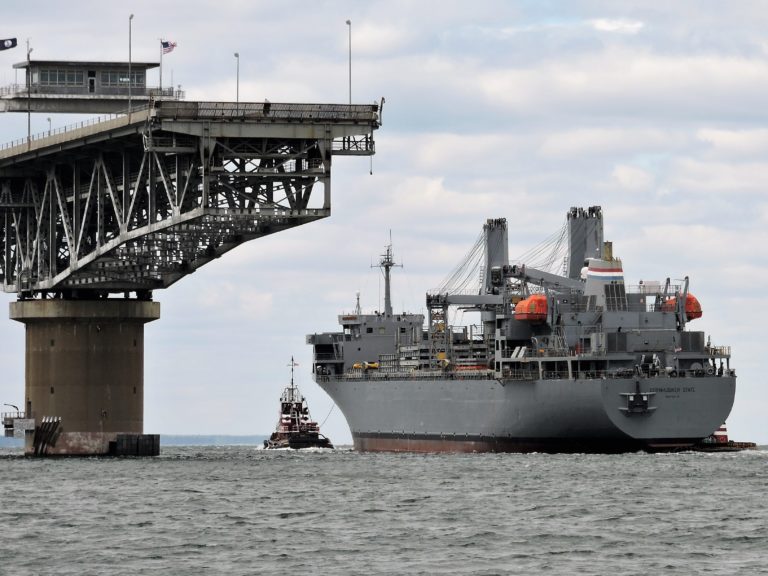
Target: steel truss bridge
[(136, 202)]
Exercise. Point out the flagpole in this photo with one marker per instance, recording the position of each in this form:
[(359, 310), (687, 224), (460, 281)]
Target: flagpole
[(161, 66)]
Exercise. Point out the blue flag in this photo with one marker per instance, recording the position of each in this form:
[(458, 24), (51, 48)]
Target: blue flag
[(8, 43)]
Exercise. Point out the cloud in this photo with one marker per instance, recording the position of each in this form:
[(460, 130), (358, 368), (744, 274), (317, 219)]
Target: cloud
[(374, 38), (730, 178), (238, 300), (737, 144), (618, 26), (619, 82), (632, 178), (599, 141)]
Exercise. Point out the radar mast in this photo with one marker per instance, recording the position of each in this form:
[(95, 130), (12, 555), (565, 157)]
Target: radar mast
[(386, 263)]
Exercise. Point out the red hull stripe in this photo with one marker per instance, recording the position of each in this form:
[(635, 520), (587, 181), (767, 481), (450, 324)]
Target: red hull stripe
[(380, 442)]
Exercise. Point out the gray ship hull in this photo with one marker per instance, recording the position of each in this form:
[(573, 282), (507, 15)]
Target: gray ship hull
[(557, 415)]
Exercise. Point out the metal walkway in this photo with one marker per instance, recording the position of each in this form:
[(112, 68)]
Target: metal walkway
[(136, 203)]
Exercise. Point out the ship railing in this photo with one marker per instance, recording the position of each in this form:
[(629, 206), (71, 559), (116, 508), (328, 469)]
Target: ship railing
[(651, 289), (520, 374), (718, 351), (550, 352), (626, 307), (327, 356), (357, 376)]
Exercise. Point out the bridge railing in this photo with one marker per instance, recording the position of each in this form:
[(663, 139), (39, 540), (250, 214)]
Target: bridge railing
[(71, 127), (50, 91), (268, 111)]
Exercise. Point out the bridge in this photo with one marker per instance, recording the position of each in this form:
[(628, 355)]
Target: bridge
[(128, 204), (136, 203)]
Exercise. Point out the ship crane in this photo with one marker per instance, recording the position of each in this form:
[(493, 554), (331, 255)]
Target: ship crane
[(544, 279)]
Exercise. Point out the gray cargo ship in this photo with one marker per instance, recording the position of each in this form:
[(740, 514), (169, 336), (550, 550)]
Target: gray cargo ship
[(571, 362)]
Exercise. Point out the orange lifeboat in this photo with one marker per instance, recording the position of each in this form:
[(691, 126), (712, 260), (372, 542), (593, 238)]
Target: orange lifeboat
[(532, 309), (692, 306)]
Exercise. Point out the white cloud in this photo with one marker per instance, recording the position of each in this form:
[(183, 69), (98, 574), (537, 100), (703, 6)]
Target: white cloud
[(731, 178), (598, 141), (373, 38), (623, 83), (620, 26), (744, 143), (632, 178)]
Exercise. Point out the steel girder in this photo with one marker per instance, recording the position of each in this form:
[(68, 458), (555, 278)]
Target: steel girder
[(137, 207)]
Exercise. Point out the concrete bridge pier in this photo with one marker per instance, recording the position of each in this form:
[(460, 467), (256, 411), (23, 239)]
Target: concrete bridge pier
[(85, 365)]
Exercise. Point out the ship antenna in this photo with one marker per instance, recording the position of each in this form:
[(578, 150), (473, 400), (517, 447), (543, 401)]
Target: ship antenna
[(292, 365), (386, 263)]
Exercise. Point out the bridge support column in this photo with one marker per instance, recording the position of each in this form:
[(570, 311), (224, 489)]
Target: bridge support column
[(85, 365)]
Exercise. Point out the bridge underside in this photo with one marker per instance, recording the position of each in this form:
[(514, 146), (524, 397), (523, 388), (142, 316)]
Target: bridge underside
[(135, 204)]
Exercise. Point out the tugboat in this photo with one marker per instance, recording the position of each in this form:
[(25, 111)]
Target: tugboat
[(718, 442), (295, 428)]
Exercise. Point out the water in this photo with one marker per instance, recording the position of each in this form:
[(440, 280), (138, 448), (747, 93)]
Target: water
[(239, 510)]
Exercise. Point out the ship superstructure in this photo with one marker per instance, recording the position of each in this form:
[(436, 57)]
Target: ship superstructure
[(577, 361)]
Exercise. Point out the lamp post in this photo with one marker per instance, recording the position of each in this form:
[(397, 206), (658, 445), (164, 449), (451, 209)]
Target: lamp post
[(130, 20), (237, 85), (349, 25), (29, 96)]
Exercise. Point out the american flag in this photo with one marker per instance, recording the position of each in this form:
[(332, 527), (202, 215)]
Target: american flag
[(167, 46)]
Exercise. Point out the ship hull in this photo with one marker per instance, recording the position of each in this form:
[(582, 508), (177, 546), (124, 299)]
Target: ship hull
[(558, 415)]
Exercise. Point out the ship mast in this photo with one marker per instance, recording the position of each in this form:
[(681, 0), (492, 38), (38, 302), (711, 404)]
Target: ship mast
[(386, 263), (294, 392)]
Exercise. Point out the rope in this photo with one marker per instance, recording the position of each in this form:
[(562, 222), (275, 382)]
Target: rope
[(329, 413), (549, 255), (467, 268)]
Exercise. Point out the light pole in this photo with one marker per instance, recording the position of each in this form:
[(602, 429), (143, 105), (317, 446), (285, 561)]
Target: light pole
[(349, 24), (237, 85), (130, 20), (29, 96)]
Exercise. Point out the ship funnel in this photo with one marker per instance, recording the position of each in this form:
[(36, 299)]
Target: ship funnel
[(608, 251), (604, 286)]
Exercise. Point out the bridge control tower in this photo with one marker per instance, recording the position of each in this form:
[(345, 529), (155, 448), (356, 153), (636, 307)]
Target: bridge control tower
[(69, 86), (95, 218)]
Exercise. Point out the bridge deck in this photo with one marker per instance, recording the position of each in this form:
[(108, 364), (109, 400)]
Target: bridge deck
[(246, 113)]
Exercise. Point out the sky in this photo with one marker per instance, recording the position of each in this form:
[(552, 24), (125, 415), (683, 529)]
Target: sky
[(494, 109)]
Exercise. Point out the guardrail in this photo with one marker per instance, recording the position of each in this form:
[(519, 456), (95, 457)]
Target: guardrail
[(136, 92), (267, 110), (71, 127)]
